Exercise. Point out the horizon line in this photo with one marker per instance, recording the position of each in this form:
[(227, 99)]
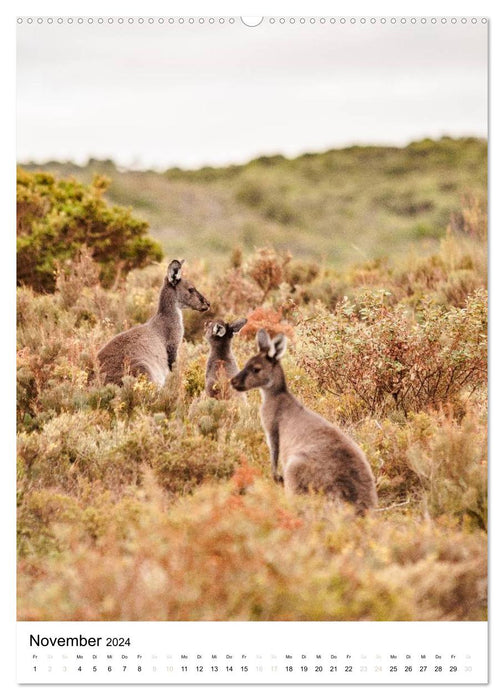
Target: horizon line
[(81, 163)]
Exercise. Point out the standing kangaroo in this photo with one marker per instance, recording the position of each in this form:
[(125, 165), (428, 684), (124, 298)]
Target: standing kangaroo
[(151, 348), (314, 453), (221, 363)]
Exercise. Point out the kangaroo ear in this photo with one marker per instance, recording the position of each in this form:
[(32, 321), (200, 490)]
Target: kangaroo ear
[(263, 340), (219, 330), (237, 325), (277, 347), (175, 272)]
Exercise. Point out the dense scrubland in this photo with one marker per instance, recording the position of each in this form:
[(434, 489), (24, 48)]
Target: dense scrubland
[(138, 503)]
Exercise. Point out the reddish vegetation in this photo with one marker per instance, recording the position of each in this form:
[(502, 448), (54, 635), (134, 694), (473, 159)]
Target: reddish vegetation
[(270, 320), (244, 475)]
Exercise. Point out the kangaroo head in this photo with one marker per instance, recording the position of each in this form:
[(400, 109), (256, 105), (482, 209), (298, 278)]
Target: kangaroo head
[(261, 370), (186, 294), (217, 331)]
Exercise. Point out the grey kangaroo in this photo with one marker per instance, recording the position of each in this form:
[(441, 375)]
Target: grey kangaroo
[(221, 363), (314, 453), (151, 348)]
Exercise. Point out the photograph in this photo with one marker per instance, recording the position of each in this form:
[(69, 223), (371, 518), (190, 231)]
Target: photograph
[(252, 345)]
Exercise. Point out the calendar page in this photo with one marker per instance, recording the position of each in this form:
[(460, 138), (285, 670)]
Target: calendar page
[(252, 349)]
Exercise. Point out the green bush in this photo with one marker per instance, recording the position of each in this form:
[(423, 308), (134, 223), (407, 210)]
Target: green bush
[(55, 218)]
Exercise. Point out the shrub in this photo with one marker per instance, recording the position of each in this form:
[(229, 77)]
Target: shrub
[(72, 277), (449, 276), (452, 468), (270, 320), (472, 220), (209, 415), (267, 270), (379, 353), (194, 377), (70, 451), (432, 463), (187, 458), (251, 194), (115, 453), (299, 273), (270, 202), (55, 218)]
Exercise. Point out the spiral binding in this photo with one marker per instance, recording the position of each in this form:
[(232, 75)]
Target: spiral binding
[(307, 21)]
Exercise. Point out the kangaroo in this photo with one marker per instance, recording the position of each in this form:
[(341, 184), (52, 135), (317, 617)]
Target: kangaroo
[(151, 348), (221, 363), (314, 453)]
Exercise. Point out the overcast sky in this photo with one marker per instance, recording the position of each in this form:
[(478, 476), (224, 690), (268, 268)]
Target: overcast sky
[(188, 95)]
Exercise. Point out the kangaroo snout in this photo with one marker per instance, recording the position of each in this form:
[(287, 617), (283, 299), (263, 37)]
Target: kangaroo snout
[(237, 382), (203, 305)]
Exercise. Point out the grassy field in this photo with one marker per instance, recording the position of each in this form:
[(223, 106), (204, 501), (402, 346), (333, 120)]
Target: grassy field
[(138, 503)]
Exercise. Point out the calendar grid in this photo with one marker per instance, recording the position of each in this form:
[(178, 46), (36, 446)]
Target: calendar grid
[(250, 652)]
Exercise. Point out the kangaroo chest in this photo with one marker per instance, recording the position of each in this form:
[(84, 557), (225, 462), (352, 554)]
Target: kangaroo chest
[(276, 424), (287, 426)]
